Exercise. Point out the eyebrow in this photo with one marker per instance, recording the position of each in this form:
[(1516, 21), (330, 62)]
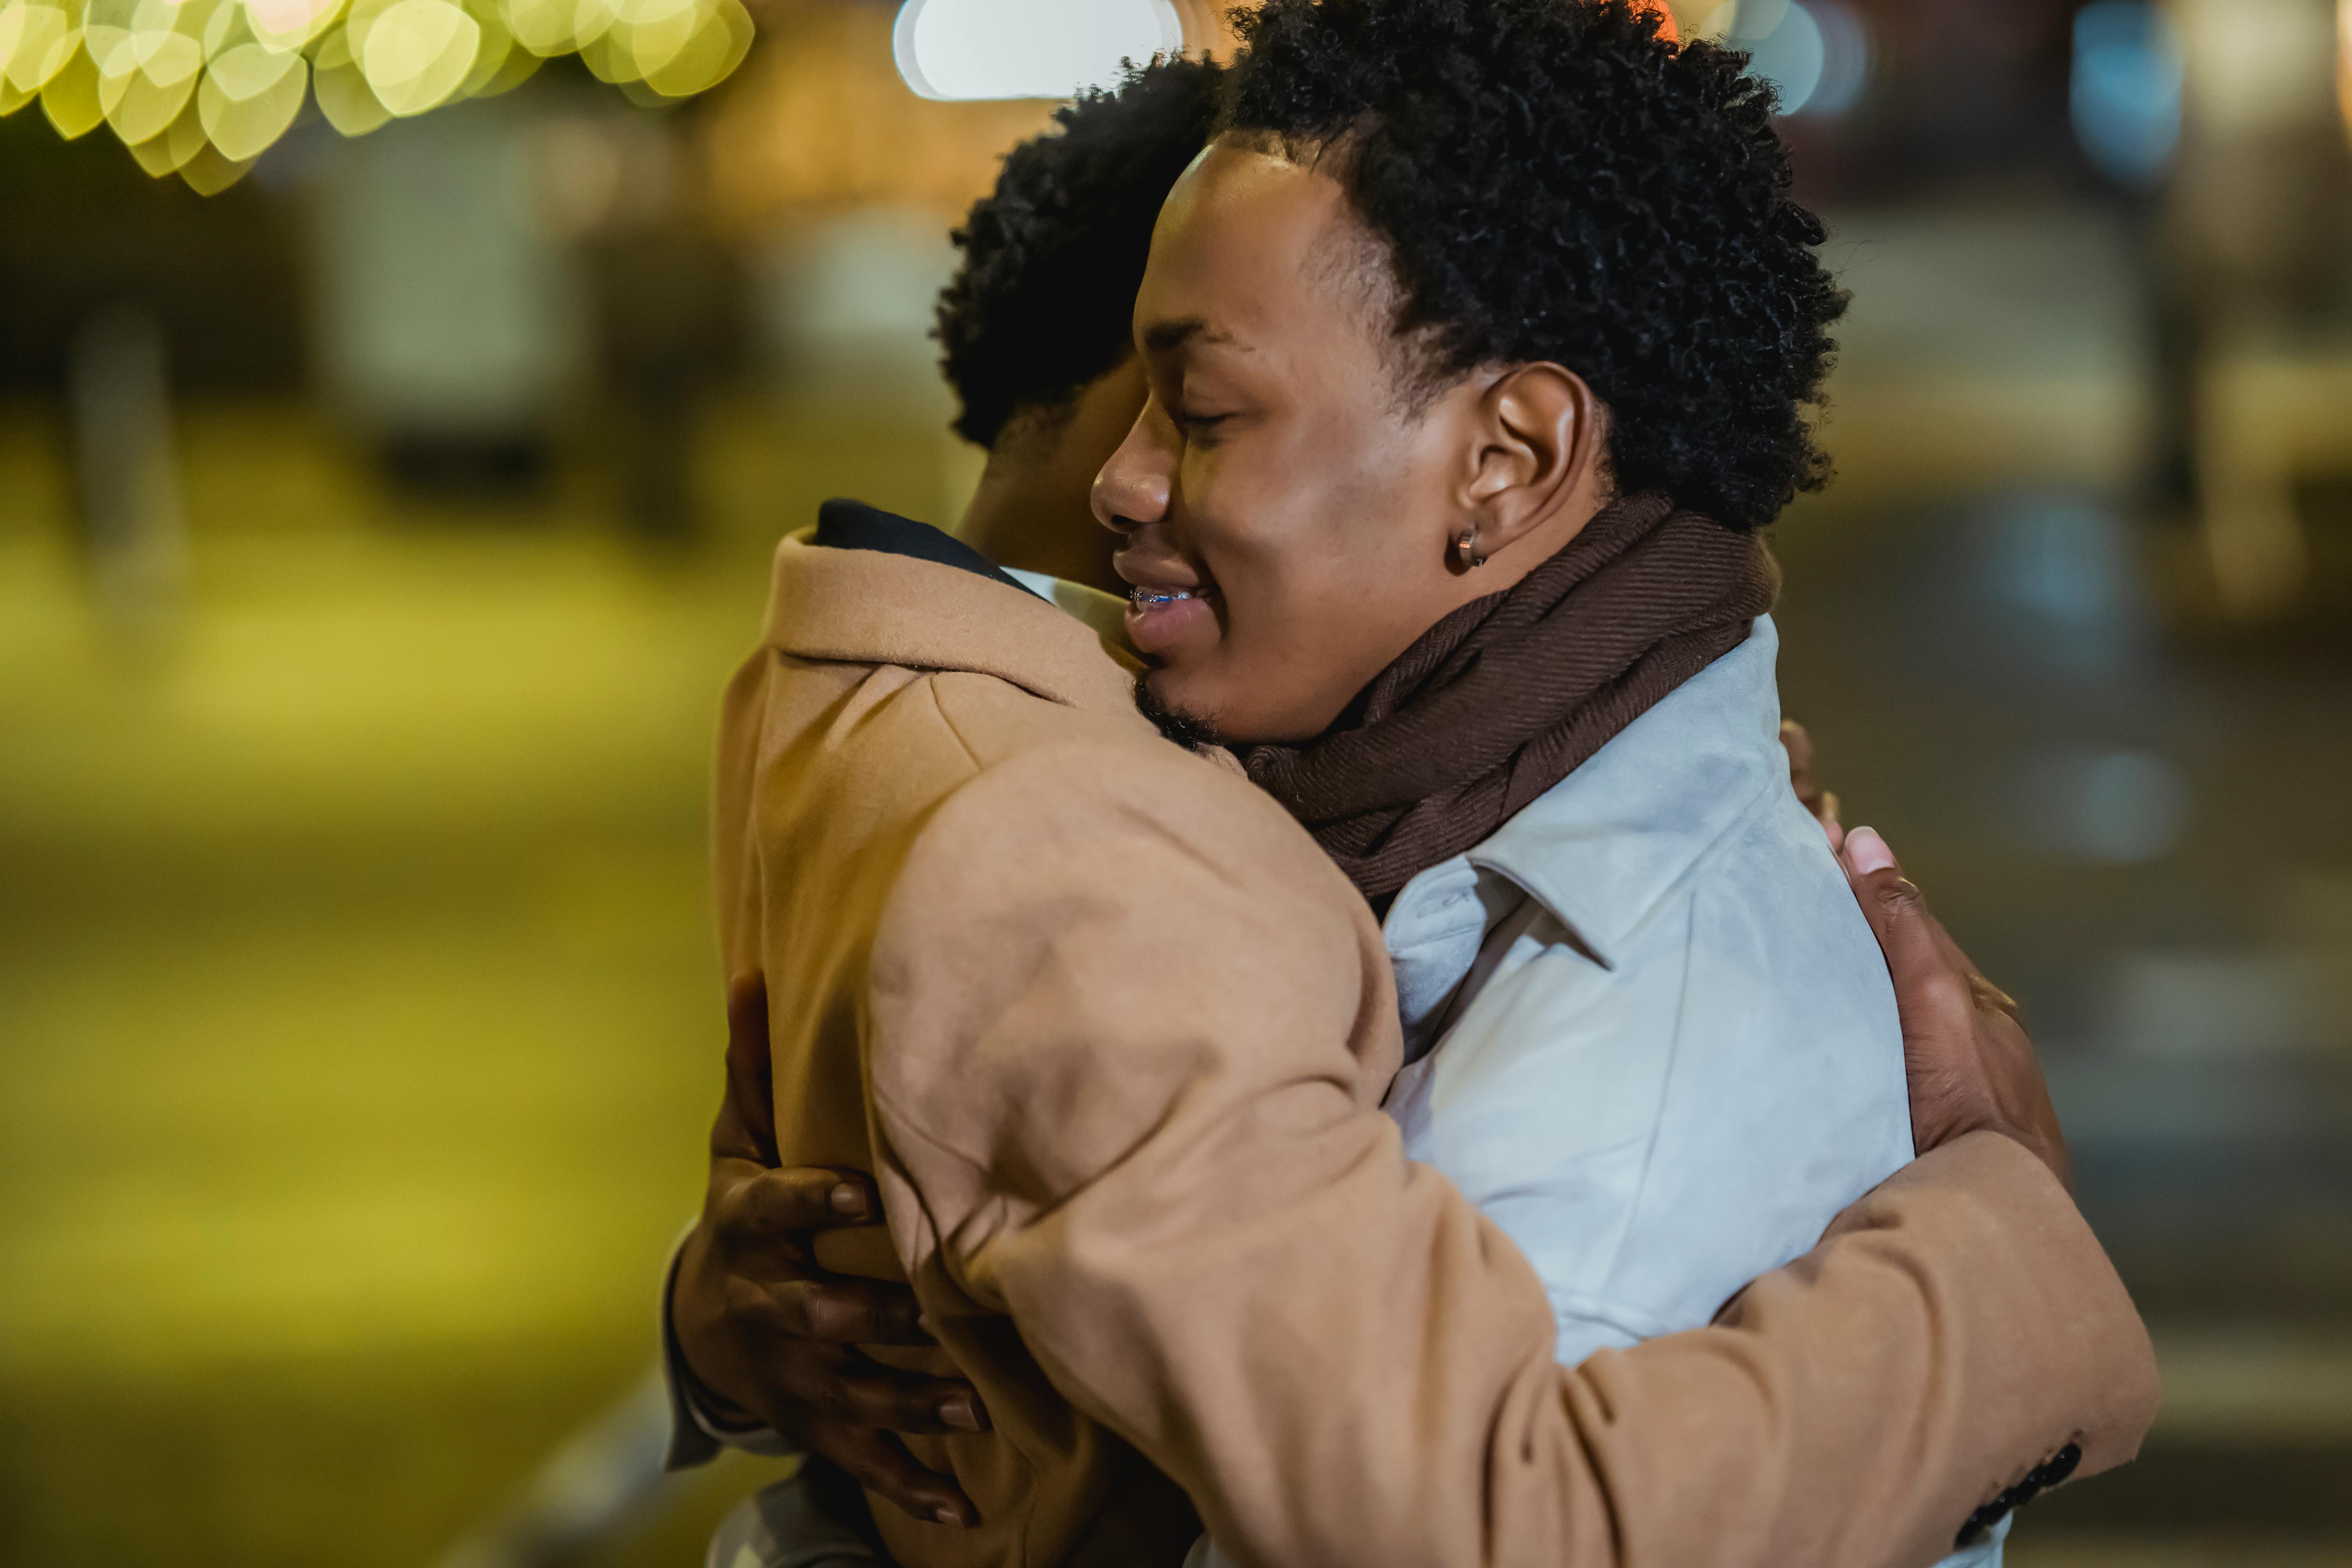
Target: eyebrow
[(1165, 337)]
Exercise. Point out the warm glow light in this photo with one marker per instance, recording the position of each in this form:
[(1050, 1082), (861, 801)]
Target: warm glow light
[(416, 52), (2343, 60), (202, 88), (1028, 48), (36, 42), (250, 96)]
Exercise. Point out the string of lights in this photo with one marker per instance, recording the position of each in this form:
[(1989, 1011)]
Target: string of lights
[(200, 89)]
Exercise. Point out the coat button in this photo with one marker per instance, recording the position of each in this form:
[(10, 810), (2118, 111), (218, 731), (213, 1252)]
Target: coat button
[(2048, 1474), (2058, 1467)]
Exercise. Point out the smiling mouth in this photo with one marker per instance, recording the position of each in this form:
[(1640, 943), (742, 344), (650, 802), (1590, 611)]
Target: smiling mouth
[(1152, 598)]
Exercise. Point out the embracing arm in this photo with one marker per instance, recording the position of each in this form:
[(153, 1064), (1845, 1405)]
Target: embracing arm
[(1126, 1066)]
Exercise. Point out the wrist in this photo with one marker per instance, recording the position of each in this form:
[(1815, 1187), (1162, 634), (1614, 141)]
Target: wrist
[(691, 1331), (714, 1408)]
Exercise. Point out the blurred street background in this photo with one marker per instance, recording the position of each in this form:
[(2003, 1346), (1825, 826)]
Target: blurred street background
[(377, 533)]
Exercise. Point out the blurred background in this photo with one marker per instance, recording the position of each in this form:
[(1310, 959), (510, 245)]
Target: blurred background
[(384, 496)]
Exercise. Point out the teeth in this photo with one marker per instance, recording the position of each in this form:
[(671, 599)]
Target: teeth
[(1144, 598)]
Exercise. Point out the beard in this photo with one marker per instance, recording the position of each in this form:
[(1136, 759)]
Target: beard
[(1194, 731)]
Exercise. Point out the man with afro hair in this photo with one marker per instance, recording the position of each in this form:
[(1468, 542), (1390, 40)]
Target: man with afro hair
[(1480, 346), (1556, 181), (1034, 328), (1104, 1036)]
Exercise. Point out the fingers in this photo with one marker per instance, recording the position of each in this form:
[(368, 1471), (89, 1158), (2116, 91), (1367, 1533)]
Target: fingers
[(1897, 912), (1940, 1056), (1932, 979), (777, 1206), (1968, 1064), (1824, 805), (863, 1394), (841, 1309), (1865, 856), (880, 1463), (1798, 743)]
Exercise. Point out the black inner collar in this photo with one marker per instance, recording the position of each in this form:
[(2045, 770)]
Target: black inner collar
[(854, 525)]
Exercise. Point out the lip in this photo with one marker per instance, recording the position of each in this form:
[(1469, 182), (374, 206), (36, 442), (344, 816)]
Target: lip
[(1169, 602)]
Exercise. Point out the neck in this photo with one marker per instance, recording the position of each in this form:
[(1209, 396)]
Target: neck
[(1022, 516)]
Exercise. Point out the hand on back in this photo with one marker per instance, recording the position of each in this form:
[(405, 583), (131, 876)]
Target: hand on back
[(771, 1337), (1964, 1050)]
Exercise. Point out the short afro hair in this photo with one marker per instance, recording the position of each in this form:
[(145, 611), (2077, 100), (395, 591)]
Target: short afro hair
[(1555, 180), (1044, 300)]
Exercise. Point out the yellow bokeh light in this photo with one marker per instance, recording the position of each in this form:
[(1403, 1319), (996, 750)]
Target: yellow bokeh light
[(169, 148), (494, 57), (139, 102), (210, 172), (250, 95), (542, 26), (417, 52), (343, 94), (36, 39), (202, 88), (70, 99), (288, 25), (640, 35)]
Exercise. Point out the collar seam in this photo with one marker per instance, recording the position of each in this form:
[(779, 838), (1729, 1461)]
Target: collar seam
[(1682, 873)]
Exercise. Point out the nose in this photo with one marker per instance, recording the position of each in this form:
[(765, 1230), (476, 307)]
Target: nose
[(1134, 488)]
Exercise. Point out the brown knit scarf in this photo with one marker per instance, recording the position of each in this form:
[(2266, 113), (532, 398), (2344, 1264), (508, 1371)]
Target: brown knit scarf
[(1504, 697)]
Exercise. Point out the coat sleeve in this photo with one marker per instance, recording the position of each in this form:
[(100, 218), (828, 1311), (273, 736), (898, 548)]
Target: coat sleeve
[(1129, 1032)]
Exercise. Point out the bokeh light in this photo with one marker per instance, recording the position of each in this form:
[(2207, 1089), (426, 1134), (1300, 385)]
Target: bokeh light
[(202, 88), (2126, 90), (1816, 53), (2343, 60), (1027, 48)]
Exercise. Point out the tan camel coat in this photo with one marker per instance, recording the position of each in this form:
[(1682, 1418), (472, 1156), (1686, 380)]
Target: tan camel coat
[(1112, 1036)]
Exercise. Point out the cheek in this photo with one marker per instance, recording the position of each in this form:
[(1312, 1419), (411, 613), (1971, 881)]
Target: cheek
[(1322, 588)]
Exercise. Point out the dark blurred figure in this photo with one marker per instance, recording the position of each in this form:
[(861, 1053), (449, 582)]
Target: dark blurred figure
[(664, 296), (133, 529)]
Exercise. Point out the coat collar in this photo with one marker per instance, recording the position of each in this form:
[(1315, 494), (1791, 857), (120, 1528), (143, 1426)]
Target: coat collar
[(1603, 846), (883, 594)]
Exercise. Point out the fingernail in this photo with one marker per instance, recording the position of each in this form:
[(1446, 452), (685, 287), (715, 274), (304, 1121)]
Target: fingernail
[(1866, 852), (960, 1410), (947, 1516), (848, 1198)]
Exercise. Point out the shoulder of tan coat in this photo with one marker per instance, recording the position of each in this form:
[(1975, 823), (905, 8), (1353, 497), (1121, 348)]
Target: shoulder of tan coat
[(863, 607), (1085, 788), (1039, 821), (1115, 916)]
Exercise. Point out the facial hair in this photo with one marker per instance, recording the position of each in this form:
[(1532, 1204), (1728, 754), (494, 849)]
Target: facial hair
[(1192, 732)]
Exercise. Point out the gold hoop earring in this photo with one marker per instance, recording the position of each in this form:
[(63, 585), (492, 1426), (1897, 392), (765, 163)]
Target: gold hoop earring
[(1468, 545)]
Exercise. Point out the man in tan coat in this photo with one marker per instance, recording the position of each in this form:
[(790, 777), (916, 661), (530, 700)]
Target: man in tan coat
[(1111, 1034)]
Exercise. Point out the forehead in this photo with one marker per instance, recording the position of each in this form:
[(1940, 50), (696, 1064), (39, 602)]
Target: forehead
[(1250, 248)]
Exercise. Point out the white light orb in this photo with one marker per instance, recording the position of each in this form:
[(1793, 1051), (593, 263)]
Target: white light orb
[(1027, 48)]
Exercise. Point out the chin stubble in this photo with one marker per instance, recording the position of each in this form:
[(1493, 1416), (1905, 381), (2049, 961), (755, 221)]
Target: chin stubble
[(1194, 731)]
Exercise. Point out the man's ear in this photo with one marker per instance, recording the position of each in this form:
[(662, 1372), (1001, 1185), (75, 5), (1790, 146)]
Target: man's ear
[(1538, 429)]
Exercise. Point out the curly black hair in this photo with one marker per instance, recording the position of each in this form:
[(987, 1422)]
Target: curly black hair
[(1045, 299), (1554, 180)]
